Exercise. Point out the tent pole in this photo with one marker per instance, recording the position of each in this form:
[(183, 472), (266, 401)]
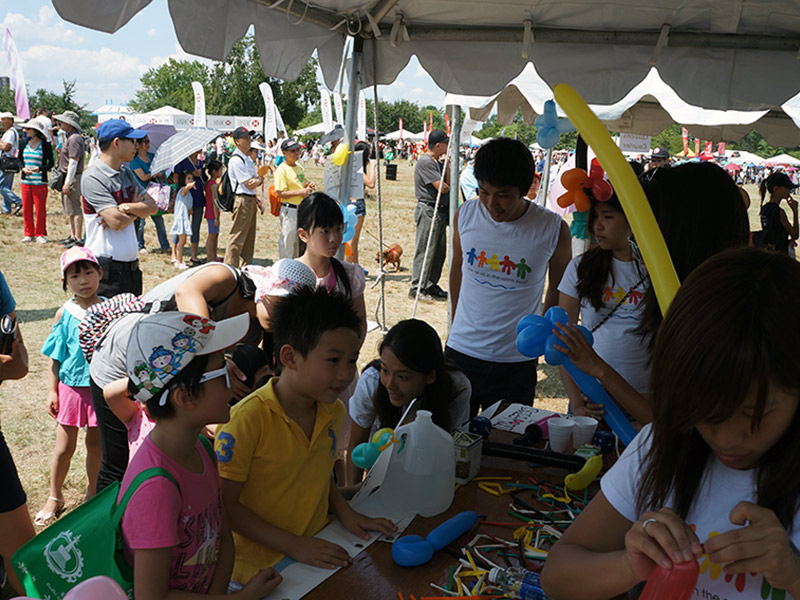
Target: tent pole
[(354, 85), (381, 280), (545, 183), (455, 169)]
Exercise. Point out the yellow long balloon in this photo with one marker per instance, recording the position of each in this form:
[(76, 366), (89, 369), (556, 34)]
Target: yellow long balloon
[(629, 191)]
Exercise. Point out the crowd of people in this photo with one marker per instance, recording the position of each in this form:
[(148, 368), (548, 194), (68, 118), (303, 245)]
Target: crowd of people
[(712, 386)]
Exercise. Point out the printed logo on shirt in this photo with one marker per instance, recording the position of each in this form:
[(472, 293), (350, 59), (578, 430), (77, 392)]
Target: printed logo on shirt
[(616, 295), (226, 444), (494, 272)]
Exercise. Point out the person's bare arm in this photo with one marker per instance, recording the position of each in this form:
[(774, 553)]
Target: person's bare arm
[(442, 186), (210, 284), (114, 218), (576, 401), (142, 175), (252, 183), (455, 268), (118, 400), (370, 175), (791, 229), (558, 263), (361, 311), (293, 193)]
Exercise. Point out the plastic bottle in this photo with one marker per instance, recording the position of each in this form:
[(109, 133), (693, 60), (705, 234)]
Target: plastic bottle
[(518, 583), (421, 475)]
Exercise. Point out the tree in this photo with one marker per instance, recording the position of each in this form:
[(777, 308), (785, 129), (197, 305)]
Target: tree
[(170, 84), (231, 86)]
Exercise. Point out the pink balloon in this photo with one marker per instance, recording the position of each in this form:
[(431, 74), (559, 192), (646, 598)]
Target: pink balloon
[(97, 588)]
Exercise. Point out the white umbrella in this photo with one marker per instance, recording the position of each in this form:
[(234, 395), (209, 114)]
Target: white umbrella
[(180, 146)]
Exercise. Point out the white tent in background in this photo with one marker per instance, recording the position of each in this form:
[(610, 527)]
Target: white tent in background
[(783, 159), (743, 157), (111, 111), (407, 135), (167, 110), (319, 128)]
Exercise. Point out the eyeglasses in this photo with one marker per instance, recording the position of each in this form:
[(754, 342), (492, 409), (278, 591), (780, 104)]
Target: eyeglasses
[(222, 371)]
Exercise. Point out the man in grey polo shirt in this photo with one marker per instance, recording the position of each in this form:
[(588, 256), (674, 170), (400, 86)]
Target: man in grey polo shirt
[(112, 200), (244, 182), (427, 179)]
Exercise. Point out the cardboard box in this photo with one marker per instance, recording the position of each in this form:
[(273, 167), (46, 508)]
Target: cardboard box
[(468, 447)]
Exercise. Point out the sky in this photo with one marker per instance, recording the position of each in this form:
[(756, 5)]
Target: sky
[(107, 67)]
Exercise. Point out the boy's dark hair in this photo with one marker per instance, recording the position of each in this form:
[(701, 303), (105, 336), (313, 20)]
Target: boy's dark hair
[(249, 359), (301, 318), (182, 178), (503, 161), (189, 378), (80, 266), (104, 144)]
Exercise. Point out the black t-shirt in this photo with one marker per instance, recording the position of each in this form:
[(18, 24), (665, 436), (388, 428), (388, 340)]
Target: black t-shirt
[(773, 235)]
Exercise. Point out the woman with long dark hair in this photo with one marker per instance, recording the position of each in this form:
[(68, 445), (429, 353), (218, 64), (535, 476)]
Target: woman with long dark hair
[(411, 369), (776, 232), (37, 157), (714, 477)]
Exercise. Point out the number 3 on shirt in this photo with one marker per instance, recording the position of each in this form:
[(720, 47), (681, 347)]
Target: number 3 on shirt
[(225, 450)]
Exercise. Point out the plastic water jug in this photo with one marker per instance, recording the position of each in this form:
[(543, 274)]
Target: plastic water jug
[(422, 470)]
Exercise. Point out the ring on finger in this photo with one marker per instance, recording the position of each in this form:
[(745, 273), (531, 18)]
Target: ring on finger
[(646, 523)]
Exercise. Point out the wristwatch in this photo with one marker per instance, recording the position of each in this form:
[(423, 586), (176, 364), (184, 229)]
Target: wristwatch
[(126, 208)]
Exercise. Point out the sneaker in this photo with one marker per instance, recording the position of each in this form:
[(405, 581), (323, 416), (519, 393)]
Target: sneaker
[(26, 239), (74, 242), (436, 292), (412, 294), (181, 266), (41, 239)]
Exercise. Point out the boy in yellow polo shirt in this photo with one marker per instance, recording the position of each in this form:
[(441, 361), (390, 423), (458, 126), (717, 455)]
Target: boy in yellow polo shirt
[(291, 186), (276, 454)]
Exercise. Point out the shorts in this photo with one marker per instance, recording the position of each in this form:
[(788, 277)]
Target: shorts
[(72, 202), (12, 496), (75, 406), (361, 207), (212, 229)]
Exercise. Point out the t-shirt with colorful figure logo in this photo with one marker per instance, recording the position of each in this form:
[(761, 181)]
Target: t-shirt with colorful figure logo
[(722, 488), (286, 476), (503, 271), (616, 340)]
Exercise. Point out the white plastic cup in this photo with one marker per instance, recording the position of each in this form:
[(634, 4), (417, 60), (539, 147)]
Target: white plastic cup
[(583, 430), (560, 430)]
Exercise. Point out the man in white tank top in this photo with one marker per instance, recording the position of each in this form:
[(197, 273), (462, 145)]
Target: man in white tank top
[(504, 247)]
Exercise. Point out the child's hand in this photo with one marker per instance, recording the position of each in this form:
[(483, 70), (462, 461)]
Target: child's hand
[(578, 350), (763, 546), (52, 403), (319, 553), (190, 185), (659, 538), (357, 523), (261, 584), (586, 408), (237, 378)]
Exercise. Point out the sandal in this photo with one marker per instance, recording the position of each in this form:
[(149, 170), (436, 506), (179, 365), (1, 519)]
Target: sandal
[(44, 518)]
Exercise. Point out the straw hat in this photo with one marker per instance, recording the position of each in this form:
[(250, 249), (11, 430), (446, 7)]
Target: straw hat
[(36, 124), (70, 118)]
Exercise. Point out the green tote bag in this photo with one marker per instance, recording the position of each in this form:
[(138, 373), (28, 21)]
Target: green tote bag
[(82, 544)]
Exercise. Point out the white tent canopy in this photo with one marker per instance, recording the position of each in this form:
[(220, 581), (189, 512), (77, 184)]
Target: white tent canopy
[(647, 109), (407, 135), (743, 157), (783, 159), (721, 54), (167, 110), (319, 128)]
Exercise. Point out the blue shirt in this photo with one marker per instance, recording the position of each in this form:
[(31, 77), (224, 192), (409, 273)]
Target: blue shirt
[(198, 193), (62, 345), (138, 163), (7, 304)]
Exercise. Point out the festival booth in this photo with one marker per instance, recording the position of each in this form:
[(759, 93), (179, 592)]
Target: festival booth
[(713, 55), (168, 115)]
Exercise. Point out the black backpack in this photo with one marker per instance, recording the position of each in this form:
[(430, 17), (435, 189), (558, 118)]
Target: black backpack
[(225, 190)]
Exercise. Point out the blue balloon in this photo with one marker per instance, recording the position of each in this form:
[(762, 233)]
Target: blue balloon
[(413, 550), (535, 337), (556, 314), (549, 127), (531, 340), (348, 234), (547, 138)]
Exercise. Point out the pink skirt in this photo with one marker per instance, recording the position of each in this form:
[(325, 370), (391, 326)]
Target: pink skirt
[(75, 407)]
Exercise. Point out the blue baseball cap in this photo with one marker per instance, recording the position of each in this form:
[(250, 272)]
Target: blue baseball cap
[(118, 128)]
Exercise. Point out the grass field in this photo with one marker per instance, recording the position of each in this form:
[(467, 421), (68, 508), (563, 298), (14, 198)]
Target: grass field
[(32, 271)]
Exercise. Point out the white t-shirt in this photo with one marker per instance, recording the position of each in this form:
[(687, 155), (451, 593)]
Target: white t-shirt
[(362, 409), (722, 488), (616, 341), (240, 169), (503, 274), (10, 136)]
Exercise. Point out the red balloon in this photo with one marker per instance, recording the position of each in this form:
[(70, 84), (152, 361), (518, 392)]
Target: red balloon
[(677, 583)]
